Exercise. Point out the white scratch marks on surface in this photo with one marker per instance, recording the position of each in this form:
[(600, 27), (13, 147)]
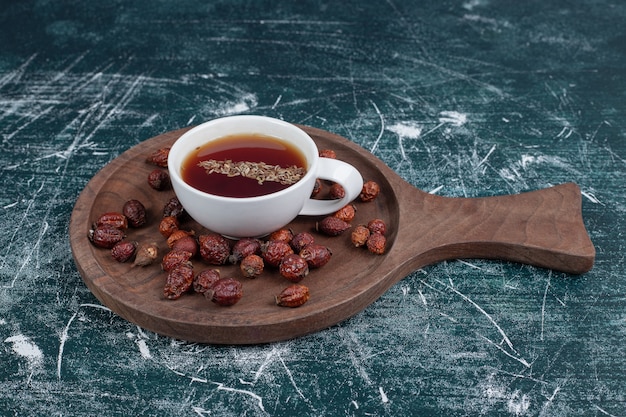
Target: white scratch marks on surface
[(452, 117), (255, 396), (247, 102), (471, 265), (280, 97), (42, 231), (543, 304), (405, 130), (603, 411), (24, 347), (493, 148), (290, 375), (518, 404), (409, 130), (383, 395), (143, 349), (62, 340), (382, 127), (436, 190), (65, 334), (505, 338), (499, 347), (201, 411), (591, 197)]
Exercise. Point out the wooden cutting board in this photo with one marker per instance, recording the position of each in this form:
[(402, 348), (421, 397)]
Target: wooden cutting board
[(542, 228)]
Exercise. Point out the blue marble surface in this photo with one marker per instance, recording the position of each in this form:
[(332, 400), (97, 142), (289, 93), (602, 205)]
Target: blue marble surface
[(461, 98)]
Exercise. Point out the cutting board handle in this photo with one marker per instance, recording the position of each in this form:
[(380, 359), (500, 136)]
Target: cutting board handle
[(542, 228)]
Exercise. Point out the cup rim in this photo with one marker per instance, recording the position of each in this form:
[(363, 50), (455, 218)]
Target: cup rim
[(174, 171)]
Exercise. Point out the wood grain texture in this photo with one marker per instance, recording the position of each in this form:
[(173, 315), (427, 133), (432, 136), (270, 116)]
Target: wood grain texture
[(542, 228)]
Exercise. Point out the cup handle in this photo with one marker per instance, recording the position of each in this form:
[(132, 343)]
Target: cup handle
[(342, 173)]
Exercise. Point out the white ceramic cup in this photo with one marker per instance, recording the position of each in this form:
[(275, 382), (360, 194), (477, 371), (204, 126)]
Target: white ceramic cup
[(258, 216)]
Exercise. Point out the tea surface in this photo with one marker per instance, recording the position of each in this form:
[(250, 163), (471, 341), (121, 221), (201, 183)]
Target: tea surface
[(253, 151)]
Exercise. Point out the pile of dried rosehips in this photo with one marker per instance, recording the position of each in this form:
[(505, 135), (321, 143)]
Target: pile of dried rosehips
[(291, 255)]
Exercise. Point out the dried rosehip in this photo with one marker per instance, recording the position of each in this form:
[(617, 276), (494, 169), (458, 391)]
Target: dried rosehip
[(244, 247), (159, 180), (316, 255), (293, 267), (293, 296), (135, 212), (359, 235), (332, 226), (274, 251), (179, 281), (317, 188), (346, 213), (173, 208), (177, 235), (159, 157), (225, 292), (377, 226), (376, 243), (106, 236), (173, 258), (369, 191), (328, 153), (147, 254), (281, 234), (336, 192), (124, 251), (214, 248), (113, 219), (251, 266), (205, 280), (188, 244), (300, 240), (168, 225)]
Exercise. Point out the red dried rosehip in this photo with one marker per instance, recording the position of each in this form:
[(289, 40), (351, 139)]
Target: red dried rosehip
[(336, 192), (205, 280), (274, 251), (332, 226), (106, 236), (113, 219), (135, 212), (173, 258), (251, 266), (359, 235), (376, 243), (179, 281), (168, 225), (214, 248), (173, 208), (346, 213), (293, 267), (317, 188), (124, 251), (369, 191), (300, 240), (188, 244), (316, 255), (159, 157), (377, 226), (177, 235), (244, 247), (293, 296), (159, 180), (328, 153), (225, 292), (281, 234)]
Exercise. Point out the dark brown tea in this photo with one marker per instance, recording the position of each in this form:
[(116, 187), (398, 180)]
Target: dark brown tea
[(244, 165)]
